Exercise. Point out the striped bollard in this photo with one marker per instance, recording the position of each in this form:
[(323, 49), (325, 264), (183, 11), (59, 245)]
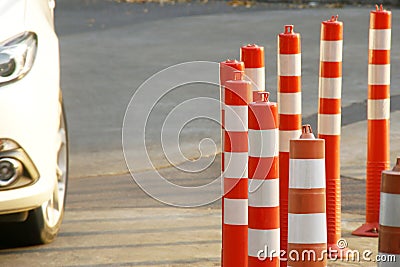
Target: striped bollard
[(252, 56), (307, 241), (389, 220), (329, 123), (264, 245), (226, 73), (289, 110), (227, 70), (378, 157), (235, 197)]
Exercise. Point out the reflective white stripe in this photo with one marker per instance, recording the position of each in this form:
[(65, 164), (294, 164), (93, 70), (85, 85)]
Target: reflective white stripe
[(379, 39), (388, 260), (378, 74), (289, 65), (284, 139), (306, 173), (263, 193), (331, 51), (307, 228), (263, 143), (236, 118), (330, 87), (329, 124), (289, 103), (236, 164), (389, 211), (379, 109), (266, 240), (257, 77), (235, 211)]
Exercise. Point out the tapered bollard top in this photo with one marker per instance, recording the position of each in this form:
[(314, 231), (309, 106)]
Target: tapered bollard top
[(307, 132)]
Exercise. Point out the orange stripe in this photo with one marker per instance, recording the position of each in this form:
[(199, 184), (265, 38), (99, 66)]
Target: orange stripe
[(236, 188), (373, 183), (380, 20), (236, 141), (319, 250), (252, 56), (379, 57), (378, 91), (237, 93), (331, 30), (235, 244), (263, 168), (378, 141), (329, 106), (307, 201), (289, 43), (289, 122), (289, 84), (331, 69), (389, 239), (333, 195), (390, 182), (264, 218), (332, 155), (268, 262), (263, 115), (307, 149)]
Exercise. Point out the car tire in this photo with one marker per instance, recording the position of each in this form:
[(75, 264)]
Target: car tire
[(43, 223)]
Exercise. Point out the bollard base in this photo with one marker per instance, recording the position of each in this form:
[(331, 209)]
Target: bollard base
[(367, 230), (336, 252)]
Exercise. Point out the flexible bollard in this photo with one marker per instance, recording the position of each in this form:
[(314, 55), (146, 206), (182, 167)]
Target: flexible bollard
[(389, 220), (329, 123), (227, 70), (289, 110), (263, 210), (253, 57), (307, 241), (226, 73), (378, 158), (235, 197)]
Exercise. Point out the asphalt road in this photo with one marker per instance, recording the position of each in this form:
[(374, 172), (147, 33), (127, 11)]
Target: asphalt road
[(108, 50)]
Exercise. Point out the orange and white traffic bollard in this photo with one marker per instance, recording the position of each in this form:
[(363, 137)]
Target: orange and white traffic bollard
[(253, 57), (227, 70), (389, 220), (307, 241), (235, 197), (329, 122), (289, 110), (264, 248), (378, 158)]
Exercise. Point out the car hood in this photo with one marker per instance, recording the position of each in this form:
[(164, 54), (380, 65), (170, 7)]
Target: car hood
[(12, 17)]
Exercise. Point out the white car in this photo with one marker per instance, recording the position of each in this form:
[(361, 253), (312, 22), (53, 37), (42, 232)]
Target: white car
[(33, 135)]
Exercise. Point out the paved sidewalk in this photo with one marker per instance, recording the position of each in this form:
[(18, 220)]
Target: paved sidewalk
[(354, 146)]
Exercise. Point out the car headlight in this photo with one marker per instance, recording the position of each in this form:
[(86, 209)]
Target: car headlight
[(17, 56)]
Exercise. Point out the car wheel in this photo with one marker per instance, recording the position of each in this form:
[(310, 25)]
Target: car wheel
[(43, 223)]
